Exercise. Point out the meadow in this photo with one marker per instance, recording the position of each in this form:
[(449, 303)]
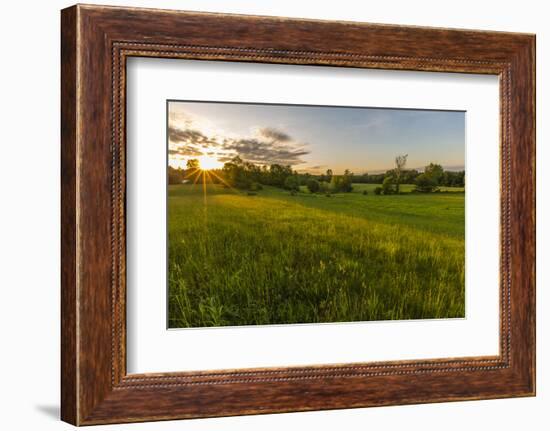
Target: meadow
[(237, 258)]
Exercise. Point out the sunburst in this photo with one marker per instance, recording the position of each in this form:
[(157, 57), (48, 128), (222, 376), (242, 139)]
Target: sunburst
[(206, 172), (207, 163)]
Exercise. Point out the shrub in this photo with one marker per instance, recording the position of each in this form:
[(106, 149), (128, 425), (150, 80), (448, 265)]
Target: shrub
[(378, 190), (388, 186), (292, 183), (425, 184), (255, 187), (341, 183), (365, 192), (435, 172), (324, 187), (242, 183), (251, 193), (313, 185)]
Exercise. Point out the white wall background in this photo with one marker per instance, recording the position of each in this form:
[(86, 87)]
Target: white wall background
[(29, 215)]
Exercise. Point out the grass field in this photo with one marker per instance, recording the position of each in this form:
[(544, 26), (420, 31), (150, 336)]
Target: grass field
[(273, 258)]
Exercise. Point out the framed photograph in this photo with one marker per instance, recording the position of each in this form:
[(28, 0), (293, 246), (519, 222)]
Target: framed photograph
[(264, 214)]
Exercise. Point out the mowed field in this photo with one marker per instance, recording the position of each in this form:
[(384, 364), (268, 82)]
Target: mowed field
[(273, 258)]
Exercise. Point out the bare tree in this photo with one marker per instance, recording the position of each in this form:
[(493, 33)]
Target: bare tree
[(400, 162)]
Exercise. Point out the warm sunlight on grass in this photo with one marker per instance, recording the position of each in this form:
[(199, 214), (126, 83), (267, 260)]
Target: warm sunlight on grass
[(277, 258), (207, 163)]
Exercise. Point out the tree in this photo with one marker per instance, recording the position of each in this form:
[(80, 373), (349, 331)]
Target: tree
[(292, 183), (408, 176), (347, 182), (313, 185), (425, 183), (460, 180), (278, 174), (254, 187), (236, 174), (400, 162), (435, 172), (193, 169), (324, 186), (304, 178), (452, 179), (341, 183), (387, 186), (175, 175), (329, 175), (193, 164)]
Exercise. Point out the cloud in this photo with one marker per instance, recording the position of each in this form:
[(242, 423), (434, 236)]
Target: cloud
[(190, 137), (317, 169), (274, 134), (185, 151), (189, 142), (178, 117), (270, 146), (266, 153)]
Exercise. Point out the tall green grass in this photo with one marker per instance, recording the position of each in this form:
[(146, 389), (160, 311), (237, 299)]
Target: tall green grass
[(273, 258)]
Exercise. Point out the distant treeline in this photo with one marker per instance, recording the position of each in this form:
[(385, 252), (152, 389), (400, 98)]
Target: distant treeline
[(409, 176), (245, 175)]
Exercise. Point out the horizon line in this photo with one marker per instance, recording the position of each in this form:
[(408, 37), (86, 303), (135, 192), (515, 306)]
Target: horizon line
[(450, 168)]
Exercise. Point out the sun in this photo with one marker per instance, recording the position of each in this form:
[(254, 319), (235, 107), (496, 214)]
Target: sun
[(207, 163)]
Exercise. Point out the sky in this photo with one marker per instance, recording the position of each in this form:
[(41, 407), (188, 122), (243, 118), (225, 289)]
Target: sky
[(315, 138)]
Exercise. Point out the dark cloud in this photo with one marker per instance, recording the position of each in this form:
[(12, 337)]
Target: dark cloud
[(256, 151), (189, 142), (274, 134), (226, 158), (185, 151), (190, 137)]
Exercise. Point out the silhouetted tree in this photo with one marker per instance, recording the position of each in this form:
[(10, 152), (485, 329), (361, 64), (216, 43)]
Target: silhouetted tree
[(175, 175), (292, 183), (400, 162), (313, 185)]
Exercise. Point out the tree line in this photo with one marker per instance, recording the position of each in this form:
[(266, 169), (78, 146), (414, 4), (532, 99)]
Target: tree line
[(245, 175), (409, 176)]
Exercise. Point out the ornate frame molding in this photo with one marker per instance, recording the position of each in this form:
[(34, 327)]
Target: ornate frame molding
[(96, 41)]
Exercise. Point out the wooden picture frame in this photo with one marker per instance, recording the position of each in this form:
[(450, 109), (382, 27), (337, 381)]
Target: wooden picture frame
[(95, 43)]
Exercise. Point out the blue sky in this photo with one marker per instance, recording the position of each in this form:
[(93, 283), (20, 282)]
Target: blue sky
[(315, 138)]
